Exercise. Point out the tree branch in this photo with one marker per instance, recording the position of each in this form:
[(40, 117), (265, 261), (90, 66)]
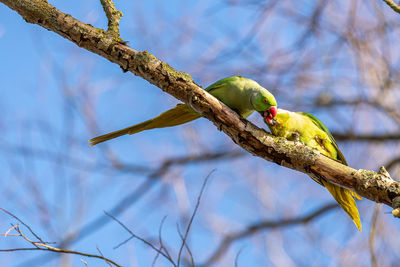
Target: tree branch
[(366, 137), (113, 16), (254, 228), (372, 233), (148, 243), (127, 201), (44, 246), (392, 5), (378, 187)]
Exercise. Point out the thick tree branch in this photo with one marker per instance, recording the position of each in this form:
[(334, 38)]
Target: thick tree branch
[(378, 187)]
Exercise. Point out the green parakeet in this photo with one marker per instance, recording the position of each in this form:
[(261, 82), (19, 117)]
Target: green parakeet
[(240, 94), (312, 132)]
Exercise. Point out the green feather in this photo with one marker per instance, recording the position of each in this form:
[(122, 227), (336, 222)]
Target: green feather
[(236, 92), (178, 115), (223, 82), (319, 123), (313, 132)]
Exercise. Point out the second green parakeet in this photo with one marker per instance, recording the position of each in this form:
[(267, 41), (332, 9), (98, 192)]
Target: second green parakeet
[(240, 94), (312, 132)]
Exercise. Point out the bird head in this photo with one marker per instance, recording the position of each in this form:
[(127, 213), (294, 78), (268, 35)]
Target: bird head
[(264, 102)]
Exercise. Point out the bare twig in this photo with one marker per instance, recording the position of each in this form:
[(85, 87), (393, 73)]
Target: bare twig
[(252, 229), (133, 235), (43, 246), (27, 227), (205, 157), (113, 16), (162, 247), (141, 190), (392, 163), (102, 255), (192, 217), (237, 257), (372, 235), (131, 198), (186, 247), (116, 210), (6, 233)]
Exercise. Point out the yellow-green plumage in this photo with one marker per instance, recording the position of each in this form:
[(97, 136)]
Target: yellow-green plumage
[(312, 132), (240, 94), (175, 116)]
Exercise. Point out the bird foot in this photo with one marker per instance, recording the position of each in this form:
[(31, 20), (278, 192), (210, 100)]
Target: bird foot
[(296, 137)]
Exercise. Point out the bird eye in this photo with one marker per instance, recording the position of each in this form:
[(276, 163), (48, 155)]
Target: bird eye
[(265, 100)]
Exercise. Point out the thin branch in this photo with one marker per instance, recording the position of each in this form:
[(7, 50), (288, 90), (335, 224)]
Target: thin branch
[(392, 5), (123, 242), (205, 157), (27, 226), (375, 103), (133, 235), (118, 208), (237, 257), (113, 16), (392, 163), (145, 187), (101, 254), (131, 198), (7, 232), (17, 249), (366, 137), (187, 247), (193, 215), (162, 247), (255, 228), (84, 262), (43, 246), (63, 251), (372, 235)]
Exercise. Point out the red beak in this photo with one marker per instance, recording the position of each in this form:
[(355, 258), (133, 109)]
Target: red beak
[(270, 114), (273, 111)]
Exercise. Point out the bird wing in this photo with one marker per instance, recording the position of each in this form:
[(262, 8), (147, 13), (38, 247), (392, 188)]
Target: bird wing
[(320, 125)]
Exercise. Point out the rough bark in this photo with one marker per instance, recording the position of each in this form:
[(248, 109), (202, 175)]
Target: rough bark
[(378, 187)]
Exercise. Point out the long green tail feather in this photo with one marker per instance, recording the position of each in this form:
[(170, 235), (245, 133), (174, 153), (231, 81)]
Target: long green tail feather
[(179, 115), (345, 199)]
